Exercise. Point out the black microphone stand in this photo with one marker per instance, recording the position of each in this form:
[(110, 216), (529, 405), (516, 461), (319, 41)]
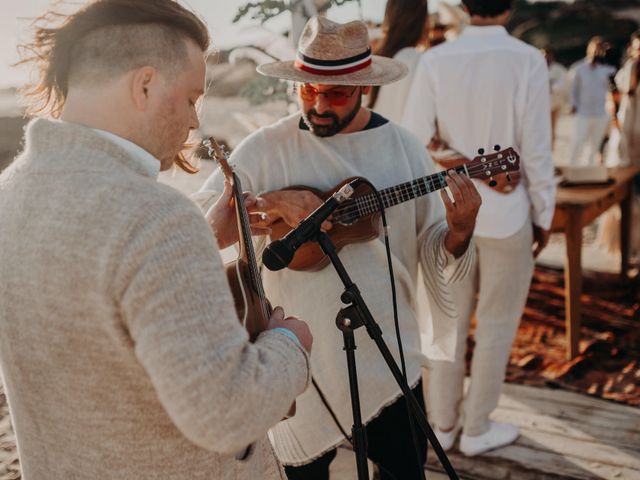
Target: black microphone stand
[(355, 315)]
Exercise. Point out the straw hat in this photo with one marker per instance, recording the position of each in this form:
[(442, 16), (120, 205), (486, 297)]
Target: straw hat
[(336, 54)]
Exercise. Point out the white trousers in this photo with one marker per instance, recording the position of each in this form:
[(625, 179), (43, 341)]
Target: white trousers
[(501, 278), (588, 132)]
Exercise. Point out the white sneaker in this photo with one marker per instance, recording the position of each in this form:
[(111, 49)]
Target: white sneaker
[(498, 435), (447, 439)]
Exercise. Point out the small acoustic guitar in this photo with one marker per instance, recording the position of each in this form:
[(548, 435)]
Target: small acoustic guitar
[(357, 219), (243, 274), (252, 306)]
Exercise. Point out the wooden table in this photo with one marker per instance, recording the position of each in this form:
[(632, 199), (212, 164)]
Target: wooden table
[(577, 207)]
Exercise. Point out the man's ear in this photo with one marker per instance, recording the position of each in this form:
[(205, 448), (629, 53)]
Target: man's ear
[(366, 90), (142, 81)]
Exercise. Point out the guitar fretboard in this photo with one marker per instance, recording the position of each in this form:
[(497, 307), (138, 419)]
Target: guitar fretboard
[(247, 243), (367, 204)]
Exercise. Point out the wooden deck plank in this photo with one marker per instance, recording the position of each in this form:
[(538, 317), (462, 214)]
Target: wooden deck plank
[(571, 415), (564, 435), (575, 449), (518, 463), (563, 404), (622, 438)]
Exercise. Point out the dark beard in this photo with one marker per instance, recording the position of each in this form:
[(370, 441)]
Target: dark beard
[(333, 128)]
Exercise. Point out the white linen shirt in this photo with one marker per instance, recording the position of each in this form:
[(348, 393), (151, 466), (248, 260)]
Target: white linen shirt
[(483, 89)]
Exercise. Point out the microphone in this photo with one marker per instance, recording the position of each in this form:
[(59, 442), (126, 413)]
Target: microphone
[(279, 253)]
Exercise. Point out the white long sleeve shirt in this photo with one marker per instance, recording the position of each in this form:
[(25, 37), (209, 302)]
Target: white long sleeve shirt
[(487, 88)]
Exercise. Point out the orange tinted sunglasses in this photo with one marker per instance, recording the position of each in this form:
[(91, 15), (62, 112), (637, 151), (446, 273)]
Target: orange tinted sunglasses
[(337, 98)]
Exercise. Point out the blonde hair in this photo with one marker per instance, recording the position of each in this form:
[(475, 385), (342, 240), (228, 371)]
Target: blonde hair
[(103, 39)]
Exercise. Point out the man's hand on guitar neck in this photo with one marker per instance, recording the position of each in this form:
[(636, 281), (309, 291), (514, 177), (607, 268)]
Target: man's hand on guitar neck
[(223, 220), (461, 212), (292, 206)]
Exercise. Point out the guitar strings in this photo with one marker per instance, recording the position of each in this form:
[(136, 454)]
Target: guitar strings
[(366, 204), (218, 153), (251, 259)]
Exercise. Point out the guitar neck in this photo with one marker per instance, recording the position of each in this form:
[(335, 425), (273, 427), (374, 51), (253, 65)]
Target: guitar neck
[(403, 192), (244, 277), (246, 242)]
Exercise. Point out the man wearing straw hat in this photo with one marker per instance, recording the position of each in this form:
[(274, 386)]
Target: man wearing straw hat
[(331, 138)]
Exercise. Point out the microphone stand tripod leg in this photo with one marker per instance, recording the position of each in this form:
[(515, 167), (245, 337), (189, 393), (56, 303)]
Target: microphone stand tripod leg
[(358, 432)]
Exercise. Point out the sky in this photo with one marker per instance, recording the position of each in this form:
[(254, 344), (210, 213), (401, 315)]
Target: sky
[(16, 15)]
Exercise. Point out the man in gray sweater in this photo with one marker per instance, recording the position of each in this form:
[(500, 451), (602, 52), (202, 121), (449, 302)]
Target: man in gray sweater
[(120, 347)]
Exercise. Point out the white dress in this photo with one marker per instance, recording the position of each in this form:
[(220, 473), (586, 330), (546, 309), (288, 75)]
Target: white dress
[(623, 150), (392, 98), (558, 79)]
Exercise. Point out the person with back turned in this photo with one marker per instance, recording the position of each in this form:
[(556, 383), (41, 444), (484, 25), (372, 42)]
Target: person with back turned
[(484, 89)]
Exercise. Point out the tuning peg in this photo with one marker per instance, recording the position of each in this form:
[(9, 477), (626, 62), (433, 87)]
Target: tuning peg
[(493, 183), (496, 148), (481, 151)]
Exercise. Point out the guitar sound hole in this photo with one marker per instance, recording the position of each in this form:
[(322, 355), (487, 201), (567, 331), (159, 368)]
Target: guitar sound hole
[(347, 214)]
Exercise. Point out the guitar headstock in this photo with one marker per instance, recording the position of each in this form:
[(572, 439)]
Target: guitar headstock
[(220, 155), (485, 166)]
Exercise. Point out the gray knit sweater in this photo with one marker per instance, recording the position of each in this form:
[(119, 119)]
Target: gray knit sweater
[(120, 348)]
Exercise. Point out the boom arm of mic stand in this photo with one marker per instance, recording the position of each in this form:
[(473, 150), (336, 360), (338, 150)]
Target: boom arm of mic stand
[(363, 316)]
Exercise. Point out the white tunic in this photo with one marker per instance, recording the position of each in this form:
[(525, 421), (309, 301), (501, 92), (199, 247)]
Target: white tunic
[(284, 155)]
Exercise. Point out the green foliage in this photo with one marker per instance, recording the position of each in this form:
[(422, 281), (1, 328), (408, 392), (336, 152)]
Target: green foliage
[(265, 89), (268, 9), (262, 11)]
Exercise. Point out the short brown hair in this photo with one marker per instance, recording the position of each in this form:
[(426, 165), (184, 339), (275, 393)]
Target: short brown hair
[(103, 39)]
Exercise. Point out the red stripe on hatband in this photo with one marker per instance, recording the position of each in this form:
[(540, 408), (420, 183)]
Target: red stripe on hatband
[(342, 71)]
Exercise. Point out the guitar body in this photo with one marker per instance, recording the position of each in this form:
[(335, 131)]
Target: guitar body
[(247, 301), (252, 308), (310, 257), (357, 219), (245, 281)]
